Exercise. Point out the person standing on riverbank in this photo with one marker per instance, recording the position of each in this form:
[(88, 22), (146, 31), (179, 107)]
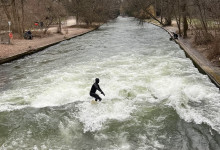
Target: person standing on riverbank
[(95, 87)]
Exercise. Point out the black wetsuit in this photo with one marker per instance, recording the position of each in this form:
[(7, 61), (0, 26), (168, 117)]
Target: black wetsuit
[(95, 87)]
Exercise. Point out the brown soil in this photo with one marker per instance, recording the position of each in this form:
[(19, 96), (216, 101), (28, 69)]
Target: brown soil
[(203, 49), (19, 46), (199, 54)]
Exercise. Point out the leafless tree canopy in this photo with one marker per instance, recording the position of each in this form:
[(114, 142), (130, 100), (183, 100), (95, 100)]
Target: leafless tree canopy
[(202, 16), (23, 13), (93, 11)]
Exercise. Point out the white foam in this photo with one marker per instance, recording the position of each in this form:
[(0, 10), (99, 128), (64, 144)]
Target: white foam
[(11, 107), (95, 116), (196, 103), (124, 77)]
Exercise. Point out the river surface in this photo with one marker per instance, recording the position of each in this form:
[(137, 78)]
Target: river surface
[(155, 98)]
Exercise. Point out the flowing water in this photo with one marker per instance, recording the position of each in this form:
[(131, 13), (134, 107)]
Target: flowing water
[(155, 98)]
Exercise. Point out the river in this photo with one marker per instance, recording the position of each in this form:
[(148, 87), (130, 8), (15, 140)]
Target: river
[(155, 98)]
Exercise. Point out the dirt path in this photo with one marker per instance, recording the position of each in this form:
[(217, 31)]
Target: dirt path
[(199, 59), (21, 46)]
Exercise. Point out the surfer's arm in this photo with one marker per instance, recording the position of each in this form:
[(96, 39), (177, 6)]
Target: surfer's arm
[(102, 93), (99, 89)]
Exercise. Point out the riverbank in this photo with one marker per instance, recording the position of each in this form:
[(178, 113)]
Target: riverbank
[(21, 47), (155, 97), (199, 59)]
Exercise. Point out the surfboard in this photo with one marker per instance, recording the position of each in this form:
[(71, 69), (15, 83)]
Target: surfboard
[(94, 102)]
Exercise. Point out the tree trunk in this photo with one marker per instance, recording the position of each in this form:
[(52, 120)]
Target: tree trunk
[(168, 21), (185, 23), (22, 20), (59, 30), (185, 27), (161, 11), (77, 18), (201, 15), (169, 13), (6, 10), (59, 26), (15, 21), (178, 17), (77, 12)]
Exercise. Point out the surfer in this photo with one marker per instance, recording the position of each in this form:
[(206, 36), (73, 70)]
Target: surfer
[(95, 87)]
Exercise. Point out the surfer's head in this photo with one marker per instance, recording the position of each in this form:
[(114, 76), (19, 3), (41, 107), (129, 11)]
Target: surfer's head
[(97, 80)]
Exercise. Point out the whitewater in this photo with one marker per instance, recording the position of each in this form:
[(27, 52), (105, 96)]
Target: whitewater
[(155, 97)]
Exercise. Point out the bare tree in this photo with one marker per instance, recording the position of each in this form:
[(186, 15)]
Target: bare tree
[(184, 16), (93, 11), (10, 9), (141, 9)]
